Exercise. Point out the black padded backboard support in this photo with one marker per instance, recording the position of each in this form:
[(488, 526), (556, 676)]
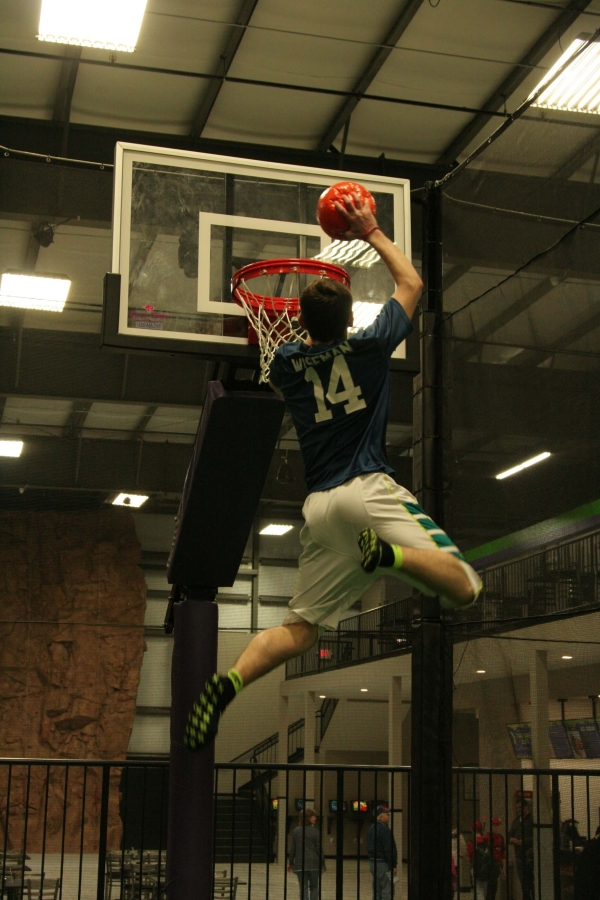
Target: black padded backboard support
[(232, 453)]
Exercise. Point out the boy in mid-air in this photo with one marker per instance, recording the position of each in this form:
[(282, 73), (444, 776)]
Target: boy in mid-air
[(360, 524)]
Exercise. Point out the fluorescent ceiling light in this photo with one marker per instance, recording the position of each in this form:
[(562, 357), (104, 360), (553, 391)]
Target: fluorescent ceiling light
[(578, 88), (322, 696), (276, 529), (523, 465), (480, 672), (567, 657), (45, 292), (132, 500), (11, 448), (110, 25), (364, 690)]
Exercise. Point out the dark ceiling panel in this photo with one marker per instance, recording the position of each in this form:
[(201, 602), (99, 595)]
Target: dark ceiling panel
[(46, 190), (67, 364)]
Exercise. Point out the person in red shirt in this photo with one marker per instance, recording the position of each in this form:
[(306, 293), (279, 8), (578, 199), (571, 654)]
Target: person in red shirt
[(480, 858), (496, 842)]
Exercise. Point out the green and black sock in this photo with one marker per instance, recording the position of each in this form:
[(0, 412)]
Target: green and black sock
[(203, 720)]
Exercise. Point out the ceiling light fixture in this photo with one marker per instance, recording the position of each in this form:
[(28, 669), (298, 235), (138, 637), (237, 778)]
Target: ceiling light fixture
[(364, 690), (480, 672), (524, 465), (11, 448), (276, 529), (132, 500), (577, 89), (111, 25), (322, 696), (44, 292), (567, 657)]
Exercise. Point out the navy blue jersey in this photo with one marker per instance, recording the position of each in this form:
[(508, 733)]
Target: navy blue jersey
[(338, 395)]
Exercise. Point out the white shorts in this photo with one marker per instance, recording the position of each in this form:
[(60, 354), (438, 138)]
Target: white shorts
[(330, 577)]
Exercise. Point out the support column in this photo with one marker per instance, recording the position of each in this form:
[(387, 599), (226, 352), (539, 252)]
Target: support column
[(191, 775), (395, 793), (542, 800), (282, 757), (310, 736), (431, 733)]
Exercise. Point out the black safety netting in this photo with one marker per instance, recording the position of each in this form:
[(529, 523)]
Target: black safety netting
[(521, 272), (521, 238)]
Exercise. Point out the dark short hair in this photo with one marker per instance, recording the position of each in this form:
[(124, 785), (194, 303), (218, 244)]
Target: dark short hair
[(306, 815), (326, 306)]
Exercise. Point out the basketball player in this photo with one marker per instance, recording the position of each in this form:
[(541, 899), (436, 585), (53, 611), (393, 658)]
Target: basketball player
[(360, 524)]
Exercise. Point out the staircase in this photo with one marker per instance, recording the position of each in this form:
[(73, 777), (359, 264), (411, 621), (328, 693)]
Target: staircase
[(245, 827), (241, 829)]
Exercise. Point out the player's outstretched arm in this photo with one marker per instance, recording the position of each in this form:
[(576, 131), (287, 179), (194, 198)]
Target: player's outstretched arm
[(363, 224)]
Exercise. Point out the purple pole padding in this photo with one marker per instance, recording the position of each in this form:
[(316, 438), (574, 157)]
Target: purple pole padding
[(191, 776)]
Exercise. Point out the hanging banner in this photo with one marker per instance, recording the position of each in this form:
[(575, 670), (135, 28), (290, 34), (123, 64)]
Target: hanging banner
[(520, 736), (571, 739)]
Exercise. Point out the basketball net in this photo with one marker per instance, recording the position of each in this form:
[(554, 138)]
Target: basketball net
[(272, 318)]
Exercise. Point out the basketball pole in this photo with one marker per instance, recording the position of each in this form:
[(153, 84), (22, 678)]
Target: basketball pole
[(221, 493), (431, 746)]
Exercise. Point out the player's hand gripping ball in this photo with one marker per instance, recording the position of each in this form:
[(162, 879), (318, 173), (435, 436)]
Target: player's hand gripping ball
[(330, 220)]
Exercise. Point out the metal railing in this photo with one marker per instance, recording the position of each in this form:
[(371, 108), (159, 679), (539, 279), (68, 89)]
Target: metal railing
[(97, 829), (266, 751), (379, 632), (563, 578)]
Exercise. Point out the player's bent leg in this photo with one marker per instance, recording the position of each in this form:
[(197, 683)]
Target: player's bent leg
[(442, 573), (274, 646), (265, 652)]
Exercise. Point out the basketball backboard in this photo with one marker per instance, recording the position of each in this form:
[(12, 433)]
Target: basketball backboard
[(184, 222)]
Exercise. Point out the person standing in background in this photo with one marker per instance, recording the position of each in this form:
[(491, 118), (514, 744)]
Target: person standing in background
[(480, 857), (305, 857), (498, 868), (521, 838), (383, 855)]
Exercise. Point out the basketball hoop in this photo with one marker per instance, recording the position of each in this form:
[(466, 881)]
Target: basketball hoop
[(272, 308)]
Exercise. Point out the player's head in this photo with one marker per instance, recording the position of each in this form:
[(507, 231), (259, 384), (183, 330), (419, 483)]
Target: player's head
[(326, 310)]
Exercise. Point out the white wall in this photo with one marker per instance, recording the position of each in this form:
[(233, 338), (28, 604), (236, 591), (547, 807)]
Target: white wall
[(357, 726)]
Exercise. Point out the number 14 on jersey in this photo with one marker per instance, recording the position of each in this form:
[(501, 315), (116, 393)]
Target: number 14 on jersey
[(350, 394)]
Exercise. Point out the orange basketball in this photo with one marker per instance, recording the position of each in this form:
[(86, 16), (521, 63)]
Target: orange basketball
[(329, 218)]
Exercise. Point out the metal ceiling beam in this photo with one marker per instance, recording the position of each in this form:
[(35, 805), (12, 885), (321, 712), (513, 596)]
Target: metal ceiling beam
[(66, 85), (408, 12), (514, 79), (457, 272), (139, 429), (33, 249), (573, 164), (226, 58), (76, 420), (536, 357), (254, 82), (507, 315)]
